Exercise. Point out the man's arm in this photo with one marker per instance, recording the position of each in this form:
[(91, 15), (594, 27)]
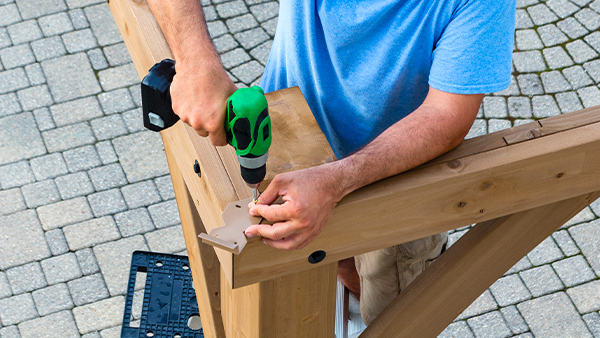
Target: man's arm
[(310, 195), (201, 87)]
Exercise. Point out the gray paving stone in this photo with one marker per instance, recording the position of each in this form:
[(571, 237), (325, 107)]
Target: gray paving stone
[(74, 185), (512, 90), (520, 122), (94, 334), (43, 118), (522, 264), (509, 290), (114, 259), (17, 309), (265, 11), (35, 74), (4, 38), (26, 278), (133, 120), (565, 242), (165, 187), (270, 26), (76, 111), (514, 320), (10, 332), (545, 252), (164, 214), (35, 97), (40, 193), (581, 3), (82, 3), (141, 155), (9, 104), (557, 58), (97, 59), (11, 201), (592, 321), (225, 43), (216, 29), (15, 175), (248, 72), (134, 222), (9, 14), (593, 69), (572, 28), (36, 8), (106, 152), (231, 9), (593, 40), (478, 128), (168, 240), (48, 166), (595, 5), (590, 96), (584, 215), (519, 107), (140, 194), (78, 19), (544, 106), (456, 330), (117, 77), (62, 268), (580, 51), (541, 280), (530, 61), (48, 48), (90, 233), (117, 55), (79, 40), (252, 38), (16, 56), (490, 325), (495, 125), (562, 8), (109, 127), (577, 77), (234, 58), (494, 107), (87, 261), (107, 177), (70, 77), (60, 324), (107, 202), (541, 14), (13, 79), (99, 315), (595, 206), (553, 316), (241, 23), (82, 158), (522, 19), (103, 24), (573, 271), (26, 31), (55, 24), (116, 101), (136, 94), (57, 242), (113, 332), (67, 137), (554, 82), (59, 214), (586, 297), (88, 289), (589, 18), (484, 303), (5, 290), (52, 299), (528, 39)]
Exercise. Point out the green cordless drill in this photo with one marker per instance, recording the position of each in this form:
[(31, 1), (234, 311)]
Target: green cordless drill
[(247, 123)]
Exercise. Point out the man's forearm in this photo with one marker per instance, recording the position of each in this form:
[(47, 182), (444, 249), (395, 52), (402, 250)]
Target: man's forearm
[(428, 132)]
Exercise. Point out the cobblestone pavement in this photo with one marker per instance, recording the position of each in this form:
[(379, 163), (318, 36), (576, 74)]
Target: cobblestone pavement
[(82, 184)]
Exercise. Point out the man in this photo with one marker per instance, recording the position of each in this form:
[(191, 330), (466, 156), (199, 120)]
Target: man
[(392, 83)]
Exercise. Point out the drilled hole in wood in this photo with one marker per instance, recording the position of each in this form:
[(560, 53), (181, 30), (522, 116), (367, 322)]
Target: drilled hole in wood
[(481, 211), (462, 204), (238, 206)]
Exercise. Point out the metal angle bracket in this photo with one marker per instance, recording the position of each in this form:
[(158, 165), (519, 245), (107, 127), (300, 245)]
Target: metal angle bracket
[(231, 237)]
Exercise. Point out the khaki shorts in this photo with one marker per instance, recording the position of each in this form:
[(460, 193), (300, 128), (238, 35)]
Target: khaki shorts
[(384, 273)]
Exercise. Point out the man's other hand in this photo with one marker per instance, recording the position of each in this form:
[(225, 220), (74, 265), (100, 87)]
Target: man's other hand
[(199, 96), (309, 197)]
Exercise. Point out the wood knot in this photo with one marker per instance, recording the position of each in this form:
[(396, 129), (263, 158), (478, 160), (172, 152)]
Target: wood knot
[(559, 175), (462, 204), (454, 164), (486, 185), (533, 133)]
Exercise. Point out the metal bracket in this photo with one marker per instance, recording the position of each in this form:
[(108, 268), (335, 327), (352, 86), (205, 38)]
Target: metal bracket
[(231, 236)]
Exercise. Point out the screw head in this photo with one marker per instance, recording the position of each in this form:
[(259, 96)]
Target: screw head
[(197, 168)]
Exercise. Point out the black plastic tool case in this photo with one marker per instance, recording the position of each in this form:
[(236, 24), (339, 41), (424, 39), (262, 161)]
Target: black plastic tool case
[(169, 297)]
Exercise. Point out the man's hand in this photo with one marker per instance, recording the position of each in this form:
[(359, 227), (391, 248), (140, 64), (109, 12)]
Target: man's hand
[(309, 197), (199, 97)]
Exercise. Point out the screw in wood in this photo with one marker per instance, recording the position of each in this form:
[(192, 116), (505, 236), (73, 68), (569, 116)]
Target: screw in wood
[(197, 168)]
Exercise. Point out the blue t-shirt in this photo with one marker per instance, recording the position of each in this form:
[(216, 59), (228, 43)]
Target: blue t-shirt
[(363, 65)]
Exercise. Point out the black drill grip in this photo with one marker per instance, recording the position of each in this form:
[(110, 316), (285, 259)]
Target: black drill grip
[(156, 98)]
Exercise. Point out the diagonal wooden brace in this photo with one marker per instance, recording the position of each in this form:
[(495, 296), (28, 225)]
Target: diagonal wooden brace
[(428, 305)]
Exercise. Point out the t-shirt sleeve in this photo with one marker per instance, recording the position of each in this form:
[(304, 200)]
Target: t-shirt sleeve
[(474, 52)]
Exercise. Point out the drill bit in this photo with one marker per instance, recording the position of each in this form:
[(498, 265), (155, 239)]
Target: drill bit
[(255, 194)]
